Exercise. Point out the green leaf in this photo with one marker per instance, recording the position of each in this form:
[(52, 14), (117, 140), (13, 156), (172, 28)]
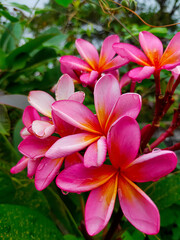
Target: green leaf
[(18, 222), (65, 220), (126, 236), (16, 133), (28, 47), (27, 195), (8, 16), (3, 63), (4, 121), (7, 190), (166, 191), (7, 151), (11, 37), (21, 6), (20, 61), (41, 56), (71, 237), (64, 3)]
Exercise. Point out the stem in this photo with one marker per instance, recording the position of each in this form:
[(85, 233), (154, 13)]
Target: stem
[(175, 147), (163, 103), (114, 225), (169, 132), (133, 85)]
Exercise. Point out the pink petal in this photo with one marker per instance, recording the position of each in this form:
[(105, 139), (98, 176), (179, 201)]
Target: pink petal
[(115, 63), (106, 94), (29, 115), (123, 142), (88, 52), (89, 78), (176, 72), (65, 87), (24, 133), (77, 114), (152, 46), (77, 96), (62, 128), (34, 147), (171, 56), (46, 172), (95, 154), (41, 101), (78, 178), (115, 73), (73, 159), (137, 207), (140, 73), (42, 129), (124, 81), (71, 144), (151, 166), (132, 53), (107, 52), (100, 205), (75, 63), (128, 104), (32, 166), (171, 62), (65, 69), (20, 166)]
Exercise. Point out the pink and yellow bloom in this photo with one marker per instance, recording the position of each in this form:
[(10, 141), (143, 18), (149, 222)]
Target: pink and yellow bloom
[(106, 181), (153, 59), (109, 105), (42, 102), (90, 69)]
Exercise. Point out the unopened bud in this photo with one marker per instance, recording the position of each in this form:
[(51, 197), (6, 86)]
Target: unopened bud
[(132, 5), (125, 3)]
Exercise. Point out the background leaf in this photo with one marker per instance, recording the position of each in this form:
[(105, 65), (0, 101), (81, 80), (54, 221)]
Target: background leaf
[(18, 222)]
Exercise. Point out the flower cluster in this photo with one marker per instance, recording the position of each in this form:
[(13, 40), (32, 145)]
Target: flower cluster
[(101, 152)]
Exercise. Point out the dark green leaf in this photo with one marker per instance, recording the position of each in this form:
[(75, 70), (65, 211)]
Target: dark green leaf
[(64, 3), (18, 222), (71, 237), (16, 134), (21, 6), (3, 63), (7, 190), (28, 47), (166, 191), (7, 151), (63, 215), (4, 121), (8, 16)]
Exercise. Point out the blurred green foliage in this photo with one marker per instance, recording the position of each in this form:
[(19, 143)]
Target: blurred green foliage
[(31, 41)]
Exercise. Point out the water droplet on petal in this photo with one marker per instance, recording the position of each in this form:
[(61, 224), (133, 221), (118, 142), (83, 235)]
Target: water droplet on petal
[(156, 150)]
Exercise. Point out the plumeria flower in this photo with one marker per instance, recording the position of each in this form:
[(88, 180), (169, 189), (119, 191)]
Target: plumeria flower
[(109, 105), (34, 150), (44, 169), (153, 59), (88, 70), (42, 102), (108, 180)]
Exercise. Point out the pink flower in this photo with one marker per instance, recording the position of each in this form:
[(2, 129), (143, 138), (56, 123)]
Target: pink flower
[(109, 105), (42, 102), (34, 150), (154, 59), (106, 181), (88, 70)]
